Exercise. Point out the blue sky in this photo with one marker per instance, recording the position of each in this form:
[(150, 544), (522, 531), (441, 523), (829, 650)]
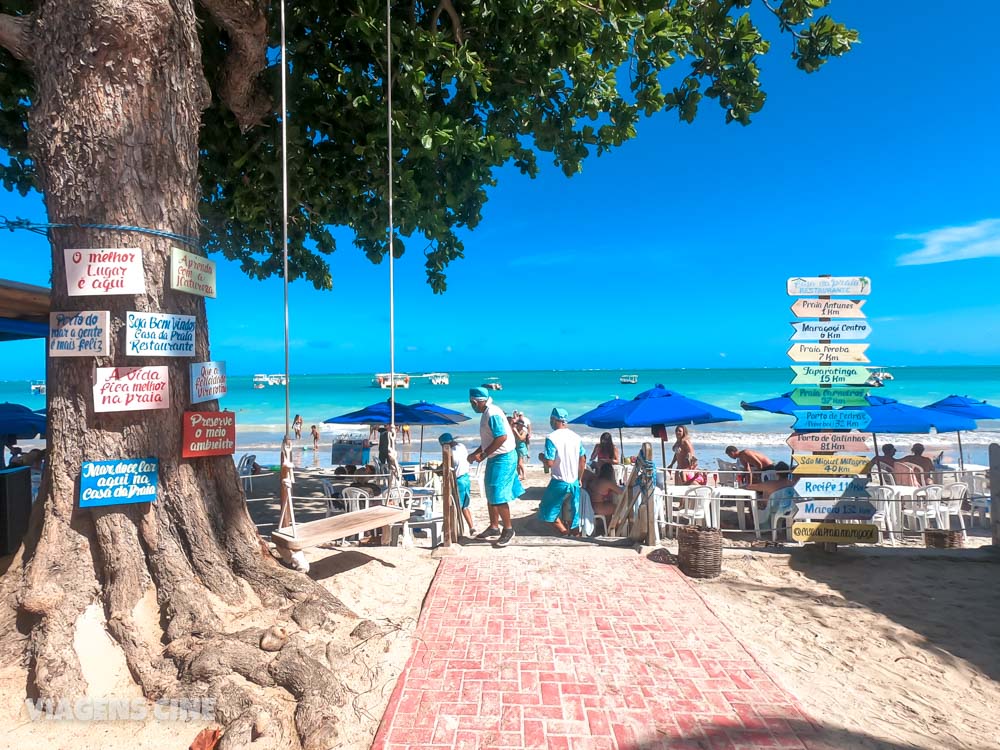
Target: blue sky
[(673, 250)]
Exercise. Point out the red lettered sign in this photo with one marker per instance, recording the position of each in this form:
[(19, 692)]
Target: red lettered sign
[(209, 433)]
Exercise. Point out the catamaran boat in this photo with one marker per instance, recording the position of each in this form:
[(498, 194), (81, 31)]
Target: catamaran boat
[(492, 384), (262, 380), (386, 380), (628, 379), (877, 379), (37, 387), (438, 378)]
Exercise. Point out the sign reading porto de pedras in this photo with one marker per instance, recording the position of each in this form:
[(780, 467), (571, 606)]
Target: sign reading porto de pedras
[(131, 388), (208, 381), (159, 335), (118, 482), (104, 271)]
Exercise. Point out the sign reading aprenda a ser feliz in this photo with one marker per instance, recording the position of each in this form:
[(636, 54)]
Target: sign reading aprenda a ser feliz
[(103, 271), (132, 388), (191, 273)]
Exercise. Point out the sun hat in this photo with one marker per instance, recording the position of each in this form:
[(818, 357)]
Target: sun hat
[(561, 414), (446, 438), (479, 394)]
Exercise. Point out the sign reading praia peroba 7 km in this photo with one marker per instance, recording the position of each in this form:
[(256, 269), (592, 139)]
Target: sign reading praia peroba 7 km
[(828, 353), (828, 308), (835, 397), (841, 330), (830, 442), (832, 419), (827, 286), (830, 375)]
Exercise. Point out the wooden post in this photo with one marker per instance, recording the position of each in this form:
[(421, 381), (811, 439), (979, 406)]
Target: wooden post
[(995, 492), (446, 484)]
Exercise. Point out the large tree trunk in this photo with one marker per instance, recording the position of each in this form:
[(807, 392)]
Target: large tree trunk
[(114, 131)]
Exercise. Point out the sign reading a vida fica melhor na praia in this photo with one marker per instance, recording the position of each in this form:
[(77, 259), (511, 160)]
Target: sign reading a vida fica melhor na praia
[(828, 308), (827, 286), (828, 352), (79, 334), (830, 375), (841, 330), (104, 271), (132, 388), (191, 273), (159, 335), (118, 482), (208, 381)]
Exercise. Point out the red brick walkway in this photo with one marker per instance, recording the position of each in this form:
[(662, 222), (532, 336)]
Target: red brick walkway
[(590, 652)]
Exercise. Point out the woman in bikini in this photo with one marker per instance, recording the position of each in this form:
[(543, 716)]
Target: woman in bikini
[(605, 491), (684, 457), (605, 452)]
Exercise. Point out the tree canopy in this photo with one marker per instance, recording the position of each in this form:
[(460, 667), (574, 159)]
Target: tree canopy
[(476, 85)]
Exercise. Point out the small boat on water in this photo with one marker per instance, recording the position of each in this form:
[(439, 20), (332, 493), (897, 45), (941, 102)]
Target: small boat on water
[(628, 379), (262, 380), (386, 380), (492, 384), (37, 387), (877, 379), (439, 378)]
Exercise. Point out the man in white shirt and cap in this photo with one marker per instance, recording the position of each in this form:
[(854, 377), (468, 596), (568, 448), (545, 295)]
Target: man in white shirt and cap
[(498, 450), (460, 465), (566, 458)]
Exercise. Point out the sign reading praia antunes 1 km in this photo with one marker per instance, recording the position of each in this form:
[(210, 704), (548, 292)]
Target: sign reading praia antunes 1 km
[(119, 482), (159, 335), (841, 330), (830, 375), (836, 397), (833, 419), (828, 308), (829, 286), (79, 334)]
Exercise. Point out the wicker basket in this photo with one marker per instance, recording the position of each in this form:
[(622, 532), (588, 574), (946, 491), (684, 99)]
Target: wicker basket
[(942, 539), (699, 551)]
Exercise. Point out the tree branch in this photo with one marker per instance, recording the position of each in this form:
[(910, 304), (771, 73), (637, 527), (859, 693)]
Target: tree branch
[(15, 36), (245, 22), (456, 21)]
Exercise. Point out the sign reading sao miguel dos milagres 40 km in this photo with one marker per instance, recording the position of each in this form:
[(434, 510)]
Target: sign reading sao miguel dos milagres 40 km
[(208, 381), (159, 335), (104, 271), (119, 482), (806, 463), (829, 286), (209, 433), (828, 308)]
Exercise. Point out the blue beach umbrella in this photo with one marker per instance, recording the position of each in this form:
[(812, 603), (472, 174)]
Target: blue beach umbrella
[(782, 404), (963, 406), (20, 421), (599, 412), (378, 413), (426, 406)]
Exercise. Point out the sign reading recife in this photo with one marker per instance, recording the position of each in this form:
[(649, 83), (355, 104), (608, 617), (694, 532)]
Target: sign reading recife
[(159, 335), (131, 388), (209, 433), (78, 334), (831, 487), (829, 285), (191, 273), (208, 381), (120, 482), (104, 271)]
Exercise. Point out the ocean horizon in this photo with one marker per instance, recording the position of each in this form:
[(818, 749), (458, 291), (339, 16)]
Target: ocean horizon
[(317, 397)]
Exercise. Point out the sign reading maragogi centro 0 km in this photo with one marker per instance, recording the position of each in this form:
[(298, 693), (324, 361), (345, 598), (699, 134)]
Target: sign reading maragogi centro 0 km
[(826, 286), (841, 330), (835, 533), (828, 308)]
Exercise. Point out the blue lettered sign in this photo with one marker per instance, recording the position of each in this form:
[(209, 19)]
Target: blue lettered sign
[(120, 482), (831, 419)]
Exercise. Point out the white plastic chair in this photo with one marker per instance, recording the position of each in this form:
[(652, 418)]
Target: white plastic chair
[(954, 495), (730, 471), (421, 516), (922, 510), (696, 505), (244, 469), (355, 497), (980, 501), (883, 498), (781, 507)]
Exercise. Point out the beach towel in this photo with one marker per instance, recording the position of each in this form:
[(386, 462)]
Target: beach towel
[(586, 514)]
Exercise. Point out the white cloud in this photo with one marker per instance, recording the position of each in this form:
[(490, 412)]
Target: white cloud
[(979, 240)]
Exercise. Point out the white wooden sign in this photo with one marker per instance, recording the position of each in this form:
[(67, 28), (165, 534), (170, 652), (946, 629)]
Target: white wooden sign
[(132, 388), (830, 375), (828, 308), (828, 353), (831, 487), (841, 330), (159, 335), (208, 381), (825, 286), (79, 334), (821, 465), (836, 442), (103, 271), (191, 273)]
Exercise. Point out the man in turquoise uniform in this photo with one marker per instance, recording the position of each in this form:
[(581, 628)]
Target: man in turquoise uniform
[(498, 450), (566, 458)]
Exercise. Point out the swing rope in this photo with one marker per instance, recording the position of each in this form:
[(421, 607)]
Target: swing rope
[(392, 295)]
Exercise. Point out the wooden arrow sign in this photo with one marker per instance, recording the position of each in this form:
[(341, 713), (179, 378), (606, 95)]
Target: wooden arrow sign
[(829, 286), (835, 397), (828, 353), (830, 375), (833, 419), (832, 442), (831, 487), (835, 533), (819, 465), (840, 330), (828, 308), (834, 510)]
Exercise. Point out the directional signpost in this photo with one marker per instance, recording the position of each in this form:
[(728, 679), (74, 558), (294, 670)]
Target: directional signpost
[(831, 487), (828, 442), (835, 510), (841, 330), (836, 533), (830, 375), (836, 397), (828, 465), (828, 308), (832, 286), (821, 352), (831, 419)]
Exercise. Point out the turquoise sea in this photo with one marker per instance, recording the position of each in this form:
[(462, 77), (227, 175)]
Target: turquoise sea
[(261, 413)]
